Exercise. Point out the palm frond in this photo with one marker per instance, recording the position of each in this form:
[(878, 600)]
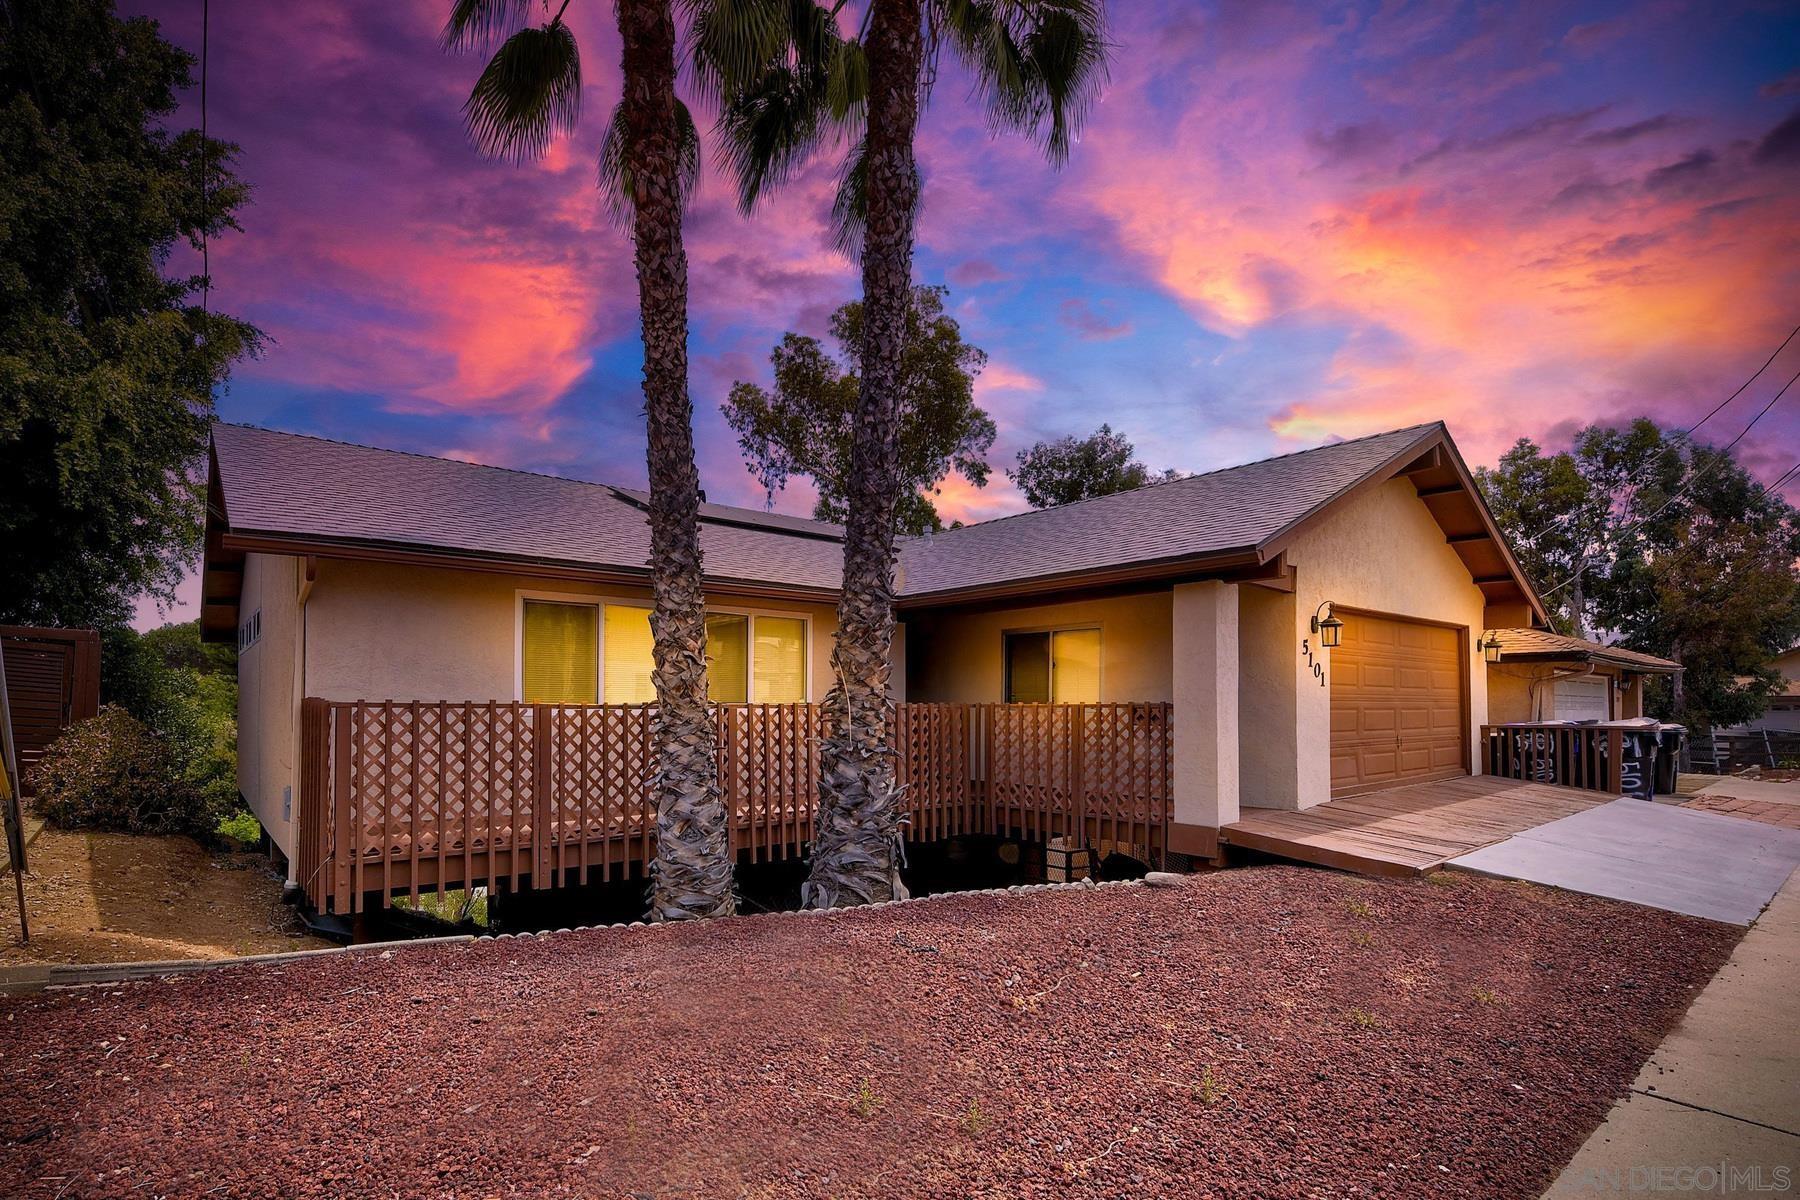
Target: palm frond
[(1038, 64), (476, 23), (618, 188), (528, 93), (731, 42)]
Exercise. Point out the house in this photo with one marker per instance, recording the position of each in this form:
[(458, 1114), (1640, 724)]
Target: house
[(1539, 675), (1783, 713), (1273, 635)]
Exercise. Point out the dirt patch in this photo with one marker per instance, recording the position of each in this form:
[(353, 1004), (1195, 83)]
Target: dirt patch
[(116, 897), (1264, 1032)]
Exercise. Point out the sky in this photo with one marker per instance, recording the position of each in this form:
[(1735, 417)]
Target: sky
[(1284, 224)]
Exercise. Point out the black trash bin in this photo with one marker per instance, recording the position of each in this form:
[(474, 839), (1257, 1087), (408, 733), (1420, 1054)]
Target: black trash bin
[(1668, 757)]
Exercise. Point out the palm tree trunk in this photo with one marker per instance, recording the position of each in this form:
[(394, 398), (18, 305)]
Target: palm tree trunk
[(856, 849), (691, 876)]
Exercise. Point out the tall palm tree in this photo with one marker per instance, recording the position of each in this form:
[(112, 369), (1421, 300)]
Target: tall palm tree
[(790, 81), (529, 92)]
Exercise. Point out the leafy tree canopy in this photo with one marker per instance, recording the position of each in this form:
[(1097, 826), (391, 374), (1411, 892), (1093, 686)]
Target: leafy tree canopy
[(1668, 546), (804, 426), (107, 367), (1070, 469)]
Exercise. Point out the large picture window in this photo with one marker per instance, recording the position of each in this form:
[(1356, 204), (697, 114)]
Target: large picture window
[(1059, 666), (574, 653), (556, 653)]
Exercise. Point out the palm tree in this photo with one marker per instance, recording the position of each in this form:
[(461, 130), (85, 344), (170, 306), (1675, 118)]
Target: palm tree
[(789, 81), (529, 92)]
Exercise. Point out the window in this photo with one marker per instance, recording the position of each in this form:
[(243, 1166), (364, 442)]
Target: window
[(628, 662), (727, 658), (1061, 666), (556, 653), (749, 659), (779, 660), (250, 631)]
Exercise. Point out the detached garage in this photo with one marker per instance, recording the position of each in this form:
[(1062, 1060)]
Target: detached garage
[(1398, 703)]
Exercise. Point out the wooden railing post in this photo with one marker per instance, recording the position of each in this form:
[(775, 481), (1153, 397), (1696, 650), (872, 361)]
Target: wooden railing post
[(540, 796), (344, 846)]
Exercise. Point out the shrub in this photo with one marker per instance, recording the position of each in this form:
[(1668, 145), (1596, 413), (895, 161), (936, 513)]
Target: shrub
[(241, 827), (110, 772)]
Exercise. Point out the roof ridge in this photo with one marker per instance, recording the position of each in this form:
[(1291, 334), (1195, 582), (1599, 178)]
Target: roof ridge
[(1156, 483), (437, 458)]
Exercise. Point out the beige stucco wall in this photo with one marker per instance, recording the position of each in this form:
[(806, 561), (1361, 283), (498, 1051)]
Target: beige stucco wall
[(268, 708), (378, 631), (1510, 695), (1382, 552), (959, 656)]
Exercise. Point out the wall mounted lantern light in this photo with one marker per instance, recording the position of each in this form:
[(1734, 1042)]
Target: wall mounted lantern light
[(1328, 627), (1490, 648)]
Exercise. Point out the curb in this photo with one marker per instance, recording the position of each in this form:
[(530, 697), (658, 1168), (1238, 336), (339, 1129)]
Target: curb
[(20, 981), (27, 980)]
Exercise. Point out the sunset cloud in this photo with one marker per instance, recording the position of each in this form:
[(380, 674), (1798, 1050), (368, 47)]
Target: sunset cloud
[(1283, 224)]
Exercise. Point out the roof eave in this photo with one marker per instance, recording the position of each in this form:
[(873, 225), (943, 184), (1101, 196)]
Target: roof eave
[(1437, 435), (415, 554)]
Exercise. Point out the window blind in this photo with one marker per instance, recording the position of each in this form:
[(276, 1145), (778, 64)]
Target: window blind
[(727, 658), (1075, 666), (780, 664), (627, 659), (557, 653)]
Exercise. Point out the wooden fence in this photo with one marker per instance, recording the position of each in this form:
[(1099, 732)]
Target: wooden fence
[(427, 794)]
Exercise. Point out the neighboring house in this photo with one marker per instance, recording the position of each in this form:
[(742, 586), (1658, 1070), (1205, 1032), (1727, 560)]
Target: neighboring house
[(346, 572), (1783, 713), (1545, 676)]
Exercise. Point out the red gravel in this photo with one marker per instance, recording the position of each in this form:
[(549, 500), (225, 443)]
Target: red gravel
[(1263, 1032)]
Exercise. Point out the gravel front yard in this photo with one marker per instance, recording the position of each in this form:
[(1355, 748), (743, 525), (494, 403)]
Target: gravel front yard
[(1270, 1031)]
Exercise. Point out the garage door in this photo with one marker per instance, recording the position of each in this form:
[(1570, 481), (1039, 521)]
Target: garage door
[(1396, 704)]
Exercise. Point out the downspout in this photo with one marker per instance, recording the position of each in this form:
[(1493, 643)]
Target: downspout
[(308, 571)]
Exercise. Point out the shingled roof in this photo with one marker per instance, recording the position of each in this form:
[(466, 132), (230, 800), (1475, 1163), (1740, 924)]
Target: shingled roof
[(1233, 510), (277, 487), (1541, 645), (289, 493)]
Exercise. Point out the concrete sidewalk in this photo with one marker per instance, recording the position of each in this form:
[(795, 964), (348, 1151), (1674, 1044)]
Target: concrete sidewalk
[(1716, 1110)]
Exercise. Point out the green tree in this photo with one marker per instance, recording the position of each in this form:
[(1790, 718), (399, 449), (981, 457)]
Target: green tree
[(1070, 469), (806, 425), (792, 82), (529, 92), (1557, 521), (107, 365), (1667, 546)]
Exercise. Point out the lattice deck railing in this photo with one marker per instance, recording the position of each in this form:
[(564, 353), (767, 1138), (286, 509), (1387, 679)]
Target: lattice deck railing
[(411, 795)]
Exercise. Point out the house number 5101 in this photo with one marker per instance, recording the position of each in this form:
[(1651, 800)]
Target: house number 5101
[(1318, 668)]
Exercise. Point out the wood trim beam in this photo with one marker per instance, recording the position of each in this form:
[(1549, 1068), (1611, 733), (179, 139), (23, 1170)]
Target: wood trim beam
[(1443, 489)]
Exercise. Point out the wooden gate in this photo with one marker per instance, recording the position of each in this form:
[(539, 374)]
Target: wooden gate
[(52, 681)]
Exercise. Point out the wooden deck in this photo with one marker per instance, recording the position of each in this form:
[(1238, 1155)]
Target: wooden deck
[(1408, 830)]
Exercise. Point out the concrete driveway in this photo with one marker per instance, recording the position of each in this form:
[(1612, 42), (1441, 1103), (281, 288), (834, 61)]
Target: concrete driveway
[(1683, 860)]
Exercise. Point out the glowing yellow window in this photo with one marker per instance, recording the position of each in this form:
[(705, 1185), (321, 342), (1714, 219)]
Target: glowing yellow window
[(626, 660), (727, 658), (557, 653), (1075, 666), (779, 661)]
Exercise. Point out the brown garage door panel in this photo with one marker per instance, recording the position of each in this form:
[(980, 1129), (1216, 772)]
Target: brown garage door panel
[(1396, 704)]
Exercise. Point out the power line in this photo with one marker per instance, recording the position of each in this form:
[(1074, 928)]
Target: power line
[(1693, 478), (1678, 435)]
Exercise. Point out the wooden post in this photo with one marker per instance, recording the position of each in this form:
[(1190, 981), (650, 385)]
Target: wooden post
[(540, 794), (1615, 750)]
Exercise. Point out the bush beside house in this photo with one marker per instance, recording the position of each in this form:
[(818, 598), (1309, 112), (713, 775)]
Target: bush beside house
[(161, 756)]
